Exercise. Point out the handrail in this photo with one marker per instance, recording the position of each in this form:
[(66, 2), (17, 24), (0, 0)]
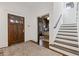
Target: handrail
[(58, 21)]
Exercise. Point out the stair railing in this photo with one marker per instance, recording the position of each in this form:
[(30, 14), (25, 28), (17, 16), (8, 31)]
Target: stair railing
[(57, 26), (58, 21)]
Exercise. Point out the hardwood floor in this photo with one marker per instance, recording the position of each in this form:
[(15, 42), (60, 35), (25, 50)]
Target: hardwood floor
[(28, 49), (46, 44)]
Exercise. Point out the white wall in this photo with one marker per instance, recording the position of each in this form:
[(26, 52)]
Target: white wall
[(69, 15), (54, 15), (39, 9), (6, 8), (21, 9)]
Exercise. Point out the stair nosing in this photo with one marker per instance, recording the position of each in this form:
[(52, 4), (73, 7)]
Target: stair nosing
[(67, 29)]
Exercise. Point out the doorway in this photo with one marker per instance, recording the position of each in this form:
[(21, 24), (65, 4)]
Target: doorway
[(43, 31), (15, 29)]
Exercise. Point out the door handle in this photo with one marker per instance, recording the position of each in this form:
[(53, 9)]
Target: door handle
[(23, 30)]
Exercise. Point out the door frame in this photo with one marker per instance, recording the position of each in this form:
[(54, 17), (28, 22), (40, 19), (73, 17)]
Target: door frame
[(44, 16)]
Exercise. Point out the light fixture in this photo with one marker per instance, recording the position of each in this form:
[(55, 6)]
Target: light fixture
[(69, 5), (47, 18)]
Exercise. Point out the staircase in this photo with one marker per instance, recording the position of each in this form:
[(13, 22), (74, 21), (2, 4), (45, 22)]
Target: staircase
[(66, 40)]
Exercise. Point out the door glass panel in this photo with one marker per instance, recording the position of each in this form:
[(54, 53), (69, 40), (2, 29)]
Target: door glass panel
[(17, 21), (12, 21)]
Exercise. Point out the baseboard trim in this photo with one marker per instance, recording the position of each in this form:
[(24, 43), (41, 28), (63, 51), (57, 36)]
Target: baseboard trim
[(32, 41)]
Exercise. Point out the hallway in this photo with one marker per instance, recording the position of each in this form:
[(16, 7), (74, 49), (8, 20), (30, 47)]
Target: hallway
[(59, 29)]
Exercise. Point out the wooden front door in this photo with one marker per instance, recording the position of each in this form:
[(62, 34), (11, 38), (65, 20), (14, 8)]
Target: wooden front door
[(15, 29)]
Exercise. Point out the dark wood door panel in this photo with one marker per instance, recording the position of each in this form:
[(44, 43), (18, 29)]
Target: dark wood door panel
[(12, 34), (15, 29), (21, 30)]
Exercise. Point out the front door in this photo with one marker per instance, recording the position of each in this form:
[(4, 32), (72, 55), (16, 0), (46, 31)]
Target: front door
[(15, 29)]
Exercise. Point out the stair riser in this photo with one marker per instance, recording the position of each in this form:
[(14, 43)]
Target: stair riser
[(68, 28), (70, 37), (67, 39), (74, 45), (67, 32), (70, 24)]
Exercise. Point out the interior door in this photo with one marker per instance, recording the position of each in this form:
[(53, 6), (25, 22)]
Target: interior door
[(15, 29)]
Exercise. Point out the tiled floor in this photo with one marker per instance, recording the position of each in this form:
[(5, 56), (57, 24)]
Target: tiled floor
[(28, 49)]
